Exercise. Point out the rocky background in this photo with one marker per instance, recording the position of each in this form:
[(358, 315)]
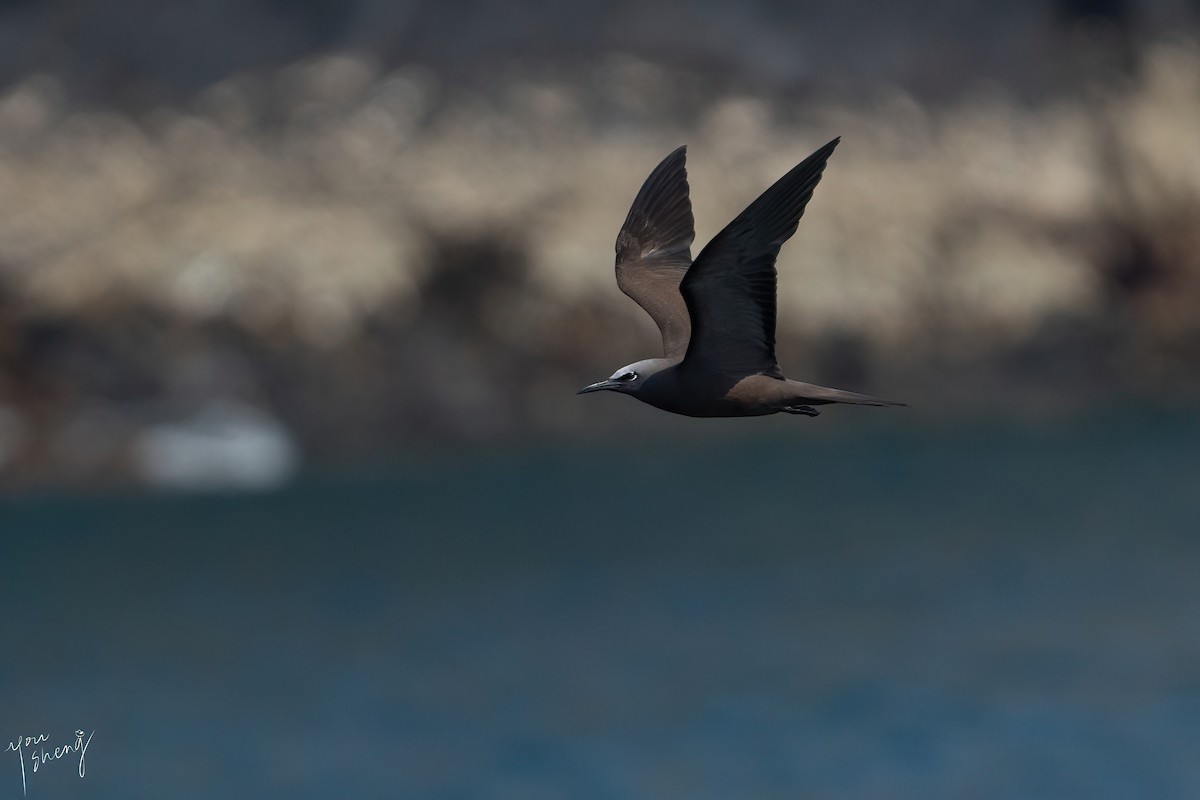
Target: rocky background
[(241, 237)]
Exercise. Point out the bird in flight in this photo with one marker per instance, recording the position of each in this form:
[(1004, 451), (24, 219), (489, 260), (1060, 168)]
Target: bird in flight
[(717, 313)]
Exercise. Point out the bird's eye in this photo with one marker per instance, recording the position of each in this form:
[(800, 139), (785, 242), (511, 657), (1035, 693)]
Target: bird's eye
[(629, 376)]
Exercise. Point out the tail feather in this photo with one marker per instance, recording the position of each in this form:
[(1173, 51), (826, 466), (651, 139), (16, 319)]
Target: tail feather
[(811, 393)]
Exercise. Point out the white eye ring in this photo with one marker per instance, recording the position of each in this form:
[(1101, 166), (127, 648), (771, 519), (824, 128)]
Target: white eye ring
[(629, 376)]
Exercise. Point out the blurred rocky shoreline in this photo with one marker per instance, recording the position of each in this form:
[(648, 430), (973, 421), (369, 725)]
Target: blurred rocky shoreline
[(342, 257)]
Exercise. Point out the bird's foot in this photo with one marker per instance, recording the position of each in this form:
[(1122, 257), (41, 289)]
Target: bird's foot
[(807, 411)]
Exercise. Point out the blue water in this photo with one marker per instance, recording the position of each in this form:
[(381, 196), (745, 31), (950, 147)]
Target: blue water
[(993, 613)]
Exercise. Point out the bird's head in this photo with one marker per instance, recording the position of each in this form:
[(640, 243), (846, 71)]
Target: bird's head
[(628, 379)]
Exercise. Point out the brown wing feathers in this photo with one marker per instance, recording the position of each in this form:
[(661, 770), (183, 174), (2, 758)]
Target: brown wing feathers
[(730, 290), (654, 250)]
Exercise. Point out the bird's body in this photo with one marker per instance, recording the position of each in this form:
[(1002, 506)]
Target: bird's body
[(717, 314), (668, 384)]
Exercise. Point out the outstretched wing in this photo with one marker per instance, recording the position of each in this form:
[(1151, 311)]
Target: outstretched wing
[(730, 290), (654, 250)]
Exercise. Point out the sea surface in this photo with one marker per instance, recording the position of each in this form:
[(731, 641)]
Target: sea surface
[(966, 612)]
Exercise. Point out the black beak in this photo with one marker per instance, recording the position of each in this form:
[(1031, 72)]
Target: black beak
[(599, 386)]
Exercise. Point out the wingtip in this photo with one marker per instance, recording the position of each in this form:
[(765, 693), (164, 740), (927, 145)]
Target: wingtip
[(674, 160)]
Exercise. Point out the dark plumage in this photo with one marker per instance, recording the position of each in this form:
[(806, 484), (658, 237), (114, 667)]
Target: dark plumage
[(717, 315), (654, 250)]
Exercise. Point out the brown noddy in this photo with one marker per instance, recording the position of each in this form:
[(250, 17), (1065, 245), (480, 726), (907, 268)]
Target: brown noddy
[(716, 314)]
